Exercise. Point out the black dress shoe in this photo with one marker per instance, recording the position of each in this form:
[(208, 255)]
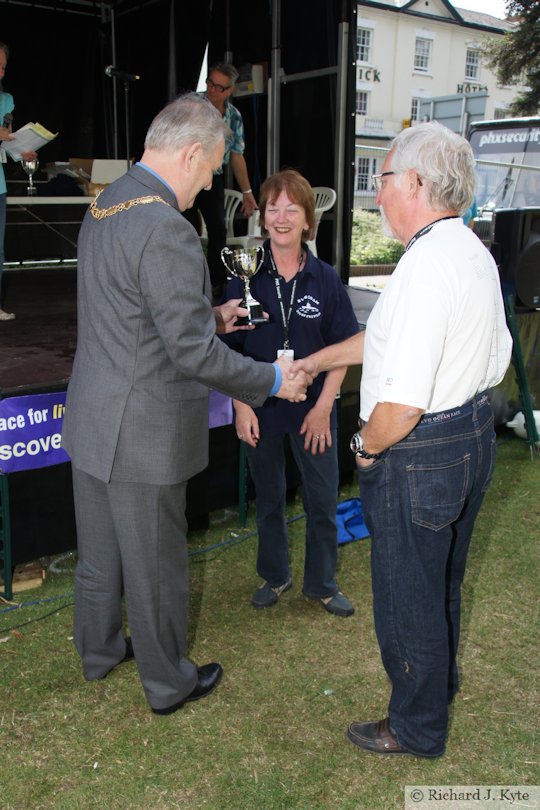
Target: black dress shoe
[(375, 737), (129, 656), (208, 678)]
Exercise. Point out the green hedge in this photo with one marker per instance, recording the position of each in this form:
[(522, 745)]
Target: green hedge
[(368, 244)]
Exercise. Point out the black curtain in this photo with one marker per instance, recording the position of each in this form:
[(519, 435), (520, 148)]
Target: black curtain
[(143, 47), (51, 73), (57, 62)]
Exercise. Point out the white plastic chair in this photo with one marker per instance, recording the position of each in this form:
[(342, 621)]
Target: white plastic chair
[(324, 200), (233, 200)]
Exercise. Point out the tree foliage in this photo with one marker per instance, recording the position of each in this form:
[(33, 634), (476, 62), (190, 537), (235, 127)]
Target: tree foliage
[(515, 57), (368, 244)]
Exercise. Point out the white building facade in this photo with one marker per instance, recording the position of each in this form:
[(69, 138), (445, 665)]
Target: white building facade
[(408, 55)]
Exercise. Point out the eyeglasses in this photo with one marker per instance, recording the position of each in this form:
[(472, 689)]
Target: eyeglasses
[(219, 87), (376, 180)]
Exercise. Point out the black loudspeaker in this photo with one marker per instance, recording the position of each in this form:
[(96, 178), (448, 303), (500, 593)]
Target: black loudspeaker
[(516, 249)]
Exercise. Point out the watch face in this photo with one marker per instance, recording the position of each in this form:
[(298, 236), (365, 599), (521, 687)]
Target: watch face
[(356, 443)]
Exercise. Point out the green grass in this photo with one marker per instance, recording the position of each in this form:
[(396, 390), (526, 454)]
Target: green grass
[(272, 736)]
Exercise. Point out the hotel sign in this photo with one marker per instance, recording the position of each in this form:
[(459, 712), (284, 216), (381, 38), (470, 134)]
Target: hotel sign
[(471, 88)]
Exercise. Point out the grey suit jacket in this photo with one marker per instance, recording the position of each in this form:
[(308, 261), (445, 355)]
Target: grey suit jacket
[(147, 349)]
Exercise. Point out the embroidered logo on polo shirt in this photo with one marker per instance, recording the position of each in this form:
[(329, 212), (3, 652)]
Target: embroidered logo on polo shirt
[(308, 307)]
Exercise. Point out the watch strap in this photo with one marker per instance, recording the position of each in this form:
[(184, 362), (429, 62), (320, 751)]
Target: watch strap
[(365, 454)]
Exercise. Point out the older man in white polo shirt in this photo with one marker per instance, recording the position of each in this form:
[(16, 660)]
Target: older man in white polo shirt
[(435, 342)]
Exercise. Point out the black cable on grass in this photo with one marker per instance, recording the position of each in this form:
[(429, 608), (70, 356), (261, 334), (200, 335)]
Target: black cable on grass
[(194, 553), (38, 619)]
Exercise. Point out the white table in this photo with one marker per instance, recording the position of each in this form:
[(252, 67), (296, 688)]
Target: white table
[(35, 200)]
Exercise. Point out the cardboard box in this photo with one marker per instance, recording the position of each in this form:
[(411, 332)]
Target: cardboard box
[(27, 576), (93, 174)]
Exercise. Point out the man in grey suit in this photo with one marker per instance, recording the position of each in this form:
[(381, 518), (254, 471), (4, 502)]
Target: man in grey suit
[(136, 423)]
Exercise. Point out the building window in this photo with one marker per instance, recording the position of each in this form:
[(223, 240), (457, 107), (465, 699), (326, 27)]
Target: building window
[(361, 102), (422, 54), (500, 113), (363, 44), (415, 109), (362, 174), (365, 168), (472, 64)]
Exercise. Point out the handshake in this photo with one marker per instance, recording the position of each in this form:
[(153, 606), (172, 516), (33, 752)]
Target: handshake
[(296, 376)]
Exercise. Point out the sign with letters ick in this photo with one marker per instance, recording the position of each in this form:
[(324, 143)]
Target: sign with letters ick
[(30, 430)]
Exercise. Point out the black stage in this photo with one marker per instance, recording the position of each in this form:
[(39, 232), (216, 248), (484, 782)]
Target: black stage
[(37, 348)]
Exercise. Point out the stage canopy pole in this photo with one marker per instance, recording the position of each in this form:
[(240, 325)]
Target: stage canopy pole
[(107, 15), (339, 159), (274, 91)]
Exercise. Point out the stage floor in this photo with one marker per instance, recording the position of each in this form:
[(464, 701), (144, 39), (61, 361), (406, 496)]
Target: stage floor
[(37, 348)]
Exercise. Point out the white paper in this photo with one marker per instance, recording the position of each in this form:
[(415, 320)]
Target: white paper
[(27, 139)]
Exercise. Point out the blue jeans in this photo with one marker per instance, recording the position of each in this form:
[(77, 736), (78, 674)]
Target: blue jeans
[(2, 235), (320, 480), (420, 503)]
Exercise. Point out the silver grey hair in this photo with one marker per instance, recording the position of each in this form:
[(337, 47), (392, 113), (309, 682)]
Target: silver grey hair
[(443, 161), (190, 118), (227, 69)]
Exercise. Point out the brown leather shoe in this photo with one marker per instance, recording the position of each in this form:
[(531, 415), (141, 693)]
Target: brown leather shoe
[(376, 737)]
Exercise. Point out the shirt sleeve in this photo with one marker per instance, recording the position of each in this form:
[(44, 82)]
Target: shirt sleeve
[(7, 104), (236, 143)]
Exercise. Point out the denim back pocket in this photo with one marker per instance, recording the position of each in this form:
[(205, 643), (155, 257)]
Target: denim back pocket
[(437, 492)]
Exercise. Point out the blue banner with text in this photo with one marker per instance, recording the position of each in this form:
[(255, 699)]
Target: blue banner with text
[(30, 430)]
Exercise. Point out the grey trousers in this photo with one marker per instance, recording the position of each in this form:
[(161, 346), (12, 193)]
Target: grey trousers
[(131, 540)]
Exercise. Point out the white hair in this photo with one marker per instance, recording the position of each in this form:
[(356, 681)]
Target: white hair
[(190, 118), (443, 161)]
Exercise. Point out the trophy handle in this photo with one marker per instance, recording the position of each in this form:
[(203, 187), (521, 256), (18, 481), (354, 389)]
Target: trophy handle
[(259, 250), (226, 252)]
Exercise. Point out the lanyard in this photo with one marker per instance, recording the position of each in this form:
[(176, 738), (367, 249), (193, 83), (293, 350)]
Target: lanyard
[(285, 318), (424, 230)]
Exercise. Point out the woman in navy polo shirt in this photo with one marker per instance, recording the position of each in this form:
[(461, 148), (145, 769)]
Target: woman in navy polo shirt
[(309, 308)]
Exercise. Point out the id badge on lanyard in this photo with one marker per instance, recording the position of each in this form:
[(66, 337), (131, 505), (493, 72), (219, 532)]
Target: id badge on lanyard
[(286, 351)]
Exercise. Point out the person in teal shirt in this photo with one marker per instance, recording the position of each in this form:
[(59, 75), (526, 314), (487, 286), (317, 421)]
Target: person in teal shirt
[(470, 214), (6, 108)]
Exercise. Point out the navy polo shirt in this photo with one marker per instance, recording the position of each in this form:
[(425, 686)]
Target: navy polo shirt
[(322, 314)]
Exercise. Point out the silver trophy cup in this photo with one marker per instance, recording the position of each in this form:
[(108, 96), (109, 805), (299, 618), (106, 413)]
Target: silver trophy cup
[(243, 264), (30, 167)]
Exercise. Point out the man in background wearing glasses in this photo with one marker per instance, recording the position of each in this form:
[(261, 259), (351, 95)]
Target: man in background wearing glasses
[(219, 87)]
